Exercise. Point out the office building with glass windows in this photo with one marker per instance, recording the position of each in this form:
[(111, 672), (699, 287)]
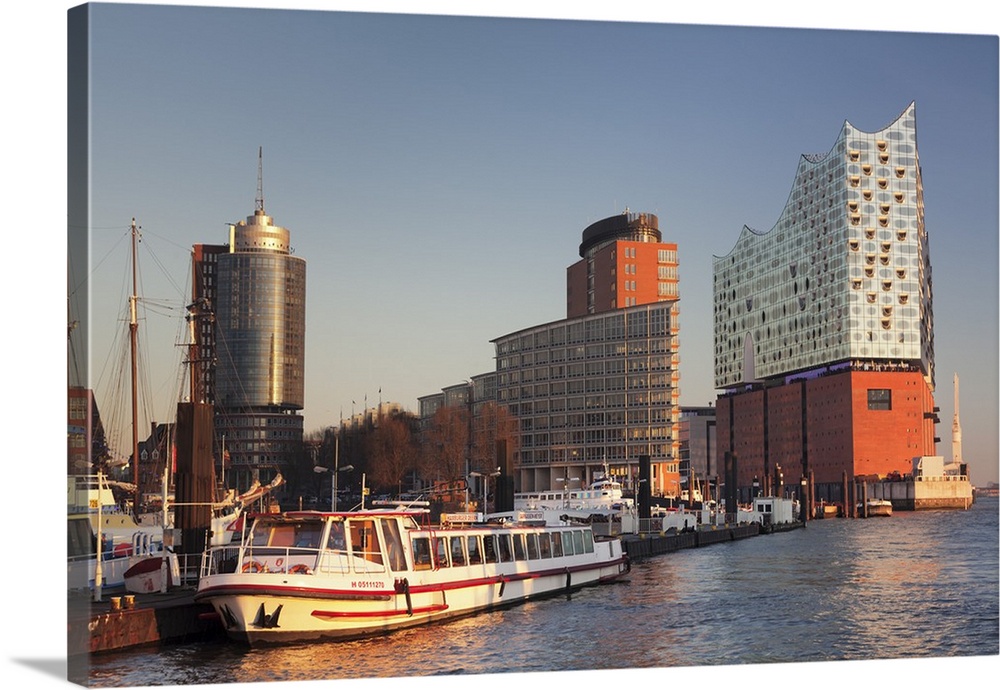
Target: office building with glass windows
[(252, 348), (823, 325), (599, 389), (591, 392)]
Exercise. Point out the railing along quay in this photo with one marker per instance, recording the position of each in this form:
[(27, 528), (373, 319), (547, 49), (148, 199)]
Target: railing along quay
[(647, 544)]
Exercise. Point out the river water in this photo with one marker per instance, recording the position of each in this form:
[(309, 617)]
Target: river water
[(913, 586)]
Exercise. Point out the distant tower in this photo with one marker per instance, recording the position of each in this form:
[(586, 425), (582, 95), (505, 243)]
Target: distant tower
[(956, 431), (257, 288)]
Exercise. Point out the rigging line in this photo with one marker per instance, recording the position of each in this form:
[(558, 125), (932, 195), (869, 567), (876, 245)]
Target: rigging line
[(93, 269), (180, 334), (167, 240), (170, 278)]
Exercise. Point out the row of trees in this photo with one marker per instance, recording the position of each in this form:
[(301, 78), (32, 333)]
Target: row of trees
[(397, 456)]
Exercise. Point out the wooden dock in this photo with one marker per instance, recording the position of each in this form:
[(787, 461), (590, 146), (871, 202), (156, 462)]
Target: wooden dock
[(121, 621), (643, 545)]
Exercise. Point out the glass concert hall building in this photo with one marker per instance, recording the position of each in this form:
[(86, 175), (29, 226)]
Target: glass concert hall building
[(823, 325)]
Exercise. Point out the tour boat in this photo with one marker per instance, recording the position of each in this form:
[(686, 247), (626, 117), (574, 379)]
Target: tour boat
[(876, 507), (310, 575), (603, 502), (603, 494)]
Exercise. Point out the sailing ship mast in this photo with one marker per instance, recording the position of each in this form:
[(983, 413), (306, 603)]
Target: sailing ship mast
[(133, 328), (956, 431)]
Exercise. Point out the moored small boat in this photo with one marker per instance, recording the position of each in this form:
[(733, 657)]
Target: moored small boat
[(875, 507), (308, 575)]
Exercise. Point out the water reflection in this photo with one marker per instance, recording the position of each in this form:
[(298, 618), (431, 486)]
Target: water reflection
[(913, 585)]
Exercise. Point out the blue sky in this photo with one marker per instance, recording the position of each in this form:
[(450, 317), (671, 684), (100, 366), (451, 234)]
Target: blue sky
[(436, 175)]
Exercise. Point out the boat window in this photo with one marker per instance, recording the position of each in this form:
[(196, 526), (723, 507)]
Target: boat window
[(393, 545), (307, 535), (490, 548), (588, 541), (532, 546), (557, 549), (441, 552), (336, 540), (475, 554), (421, 553), (567, 543), (261, 534), (363, 542), (544, 546), (280, 535), (578, 541), (519, 554), (505, 551), (457, 552)]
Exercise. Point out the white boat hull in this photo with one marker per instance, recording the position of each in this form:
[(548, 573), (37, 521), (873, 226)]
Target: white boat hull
[(275, 607), (288, 610)]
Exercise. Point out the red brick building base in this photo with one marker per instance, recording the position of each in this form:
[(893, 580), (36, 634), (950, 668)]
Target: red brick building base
[(836, 425)]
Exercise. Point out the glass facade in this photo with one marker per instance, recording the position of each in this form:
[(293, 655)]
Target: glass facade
[(593, 389), (259, 332), (844, 275), (260, 328)]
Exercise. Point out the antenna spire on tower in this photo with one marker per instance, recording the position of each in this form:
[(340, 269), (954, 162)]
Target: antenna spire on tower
[(260, 179)]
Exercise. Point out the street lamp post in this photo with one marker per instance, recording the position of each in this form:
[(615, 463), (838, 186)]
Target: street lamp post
[(486, 480), (565, 482), (333, 481)]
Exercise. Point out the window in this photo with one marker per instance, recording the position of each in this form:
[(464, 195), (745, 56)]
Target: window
[(505, 548), (544, 546), (394, 545), (519, 553), (557, 549), (879, 399), (532, 546), (567, 543), (490, 548), (475, 557), (421, 553), (441, 559)]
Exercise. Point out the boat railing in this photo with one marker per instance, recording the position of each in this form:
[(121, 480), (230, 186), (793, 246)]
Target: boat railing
[(220, 560), (290, 560)]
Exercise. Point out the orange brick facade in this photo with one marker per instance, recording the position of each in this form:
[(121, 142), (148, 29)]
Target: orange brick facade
[(848, 423), (623, 274)]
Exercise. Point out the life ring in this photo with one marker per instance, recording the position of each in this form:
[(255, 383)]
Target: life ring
[(300, 569), (253, 567)]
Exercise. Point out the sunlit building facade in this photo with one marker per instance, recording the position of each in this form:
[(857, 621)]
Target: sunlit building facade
[(253, 347), (600, 389), (823, 326), (595, 390)]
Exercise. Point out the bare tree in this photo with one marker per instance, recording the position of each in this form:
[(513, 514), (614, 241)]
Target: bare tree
[(392, 451), (445, 444), (493, 423)]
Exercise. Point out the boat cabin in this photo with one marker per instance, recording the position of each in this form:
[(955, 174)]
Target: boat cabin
[(374, 542)]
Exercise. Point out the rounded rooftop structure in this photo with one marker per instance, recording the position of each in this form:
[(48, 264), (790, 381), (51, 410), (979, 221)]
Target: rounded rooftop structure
[(632, 227)]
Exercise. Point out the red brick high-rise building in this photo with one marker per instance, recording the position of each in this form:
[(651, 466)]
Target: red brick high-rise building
[(623, 264)]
